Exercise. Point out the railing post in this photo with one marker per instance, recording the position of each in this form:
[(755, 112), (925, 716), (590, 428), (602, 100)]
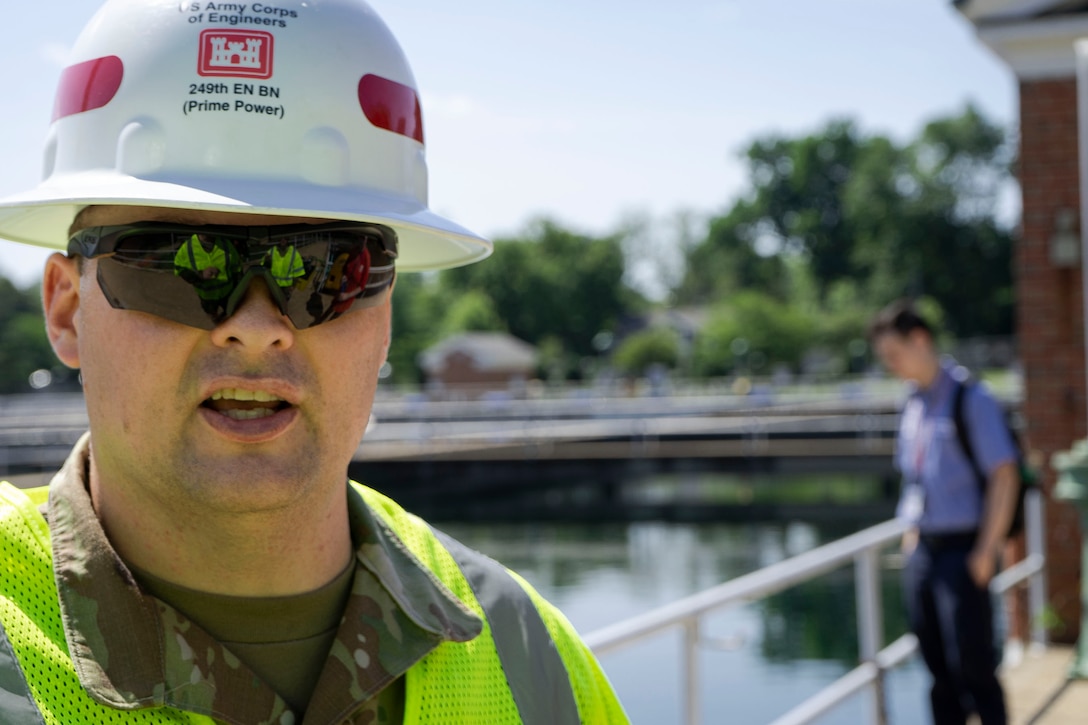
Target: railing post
[(691, 671), (1035, 524), (870, 623)]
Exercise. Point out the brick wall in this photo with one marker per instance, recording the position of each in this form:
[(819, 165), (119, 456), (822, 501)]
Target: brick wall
[(1050, 319)]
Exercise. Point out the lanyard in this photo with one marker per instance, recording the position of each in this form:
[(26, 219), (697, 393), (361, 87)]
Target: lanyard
[(923, 437)]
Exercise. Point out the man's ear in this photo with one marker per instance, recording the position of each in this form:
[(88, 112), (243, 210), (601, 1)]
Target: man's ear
[(60, 302)]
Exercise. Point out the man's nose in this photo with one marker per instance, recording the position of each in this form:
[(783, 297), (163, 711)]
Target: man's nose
[(256, 322)]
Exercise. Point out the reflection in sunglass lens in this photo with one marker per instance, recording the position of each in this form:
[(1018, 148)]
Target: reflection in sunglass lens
[(199, 275)]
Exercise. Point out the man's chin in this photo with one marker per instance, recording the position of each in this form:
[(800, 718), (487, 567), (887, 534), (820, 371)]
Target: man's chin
[(249, 483)]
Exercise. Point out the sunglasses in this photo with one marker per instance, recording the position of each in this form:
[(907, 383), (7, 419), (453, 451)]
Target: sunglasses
[(198, 275)]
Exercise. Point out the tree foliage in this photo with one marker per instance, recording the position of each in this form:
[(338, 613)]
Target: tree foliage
[(751, 333), (418, 316), (642, 350), (836, 223), (473, 311), (888, 219), (550, 286), (24, 346), (551, 282)]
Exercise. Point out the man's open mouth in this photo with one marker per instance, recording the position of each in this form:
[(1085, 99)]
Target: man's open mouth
[(239, 404)]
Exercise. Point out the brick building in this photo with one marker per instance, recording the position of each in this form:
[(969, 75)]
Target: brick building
[(1037, 39), (475, 363)]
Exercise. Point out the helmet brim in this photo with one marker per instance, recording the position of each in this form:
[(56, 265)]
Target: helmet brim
[(42, 216)]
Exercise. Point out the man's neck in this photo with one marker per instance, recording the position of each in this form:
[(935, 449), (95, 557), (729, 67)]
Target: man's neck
[(278, 553), (929, 375)]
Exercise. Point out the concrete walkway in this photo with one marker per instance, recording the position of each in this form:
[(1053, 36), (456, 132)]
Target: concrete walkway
[(1039, 692)]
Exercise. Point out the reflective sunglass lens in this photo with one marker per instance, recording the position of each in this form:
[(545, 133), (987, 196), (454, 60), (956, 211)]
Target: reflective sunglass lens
[(199, 276)]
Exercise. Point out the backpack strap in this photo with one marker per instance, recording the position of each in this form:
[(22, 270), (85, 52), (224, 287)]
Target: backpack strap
[(960, 419), (1026, 476)]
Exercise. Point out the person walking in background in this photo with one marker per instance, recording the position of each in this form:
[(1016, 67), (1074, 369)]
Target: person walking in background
[(958, 524), (202, 556)]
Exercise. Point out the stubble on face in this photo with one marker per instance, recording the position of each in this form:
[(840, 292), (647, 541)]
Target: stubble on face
[(144, 379)]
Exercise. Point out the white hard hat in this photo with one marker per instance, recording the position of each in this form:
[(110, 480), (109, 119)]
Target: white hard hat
[(283, 107)]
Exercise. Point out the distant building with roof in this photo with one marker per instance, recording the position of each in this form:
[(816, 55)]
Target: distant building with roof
[(477, 363)]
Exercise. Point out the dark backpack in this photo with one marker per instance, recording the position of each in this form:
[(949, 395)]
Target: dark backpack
[(1027, 475)]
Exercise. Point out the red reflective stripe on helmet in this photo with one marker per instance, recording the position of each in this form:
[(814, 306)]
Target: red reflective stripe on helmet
[(392, 106), (88, 85)]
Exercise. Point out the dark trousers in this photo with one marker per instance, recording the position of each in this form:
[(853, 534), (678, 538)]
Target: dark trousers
[(953, 620)]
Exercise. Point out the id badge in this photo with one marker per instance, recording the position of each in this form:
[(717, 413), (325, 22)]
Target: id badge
[(914, 502)]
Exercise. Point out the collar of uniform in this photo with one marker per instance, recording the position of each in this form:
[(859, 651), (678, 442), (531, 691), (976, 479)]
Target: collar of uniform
[(132, 651), (414, 588), (396, 602), (941, 386), (112, 630)]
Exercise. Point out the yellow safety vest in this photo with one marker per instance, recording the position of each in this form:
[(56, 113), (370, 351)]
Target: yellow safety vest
[(469, 683), (192, 256), (286, 266)]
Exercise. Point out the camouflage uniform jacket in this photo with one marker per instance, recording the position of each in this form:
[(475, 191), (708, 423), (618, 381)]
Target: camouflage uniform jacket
[(131, 650), (476, 645)]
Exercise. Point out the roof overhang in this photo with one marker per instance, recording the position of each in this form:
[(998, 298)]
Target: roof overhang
[(1034, 46), (984, 12)]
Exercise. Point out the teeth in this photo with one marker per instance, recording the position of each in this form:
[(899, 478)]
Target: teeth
[(238, 394), (239, 414)]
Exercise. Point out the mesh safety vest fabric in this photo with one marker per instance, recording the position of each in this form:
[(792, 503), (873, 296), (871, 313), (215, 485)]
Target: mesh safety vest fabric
[(456, 683), (286, 266)]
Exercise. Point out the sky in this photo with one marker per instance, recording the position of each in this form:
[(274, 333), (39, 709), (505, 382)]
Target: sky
[(594, 113)]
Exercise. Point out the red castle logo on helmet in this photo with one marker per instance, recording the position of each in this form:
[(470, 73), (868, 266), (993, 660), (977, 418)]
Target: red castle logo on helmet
[(235, 54)]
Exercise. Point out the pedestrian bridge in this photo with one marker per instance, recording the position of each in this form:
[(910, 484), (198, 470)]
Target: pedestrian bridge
[(832, 428), (503, 457)]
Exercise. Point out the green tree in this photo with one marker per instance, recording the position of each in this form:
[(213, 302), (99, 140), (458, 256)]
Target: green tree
[(551, 282), (24, 346), (751, 332), (654, 346), (418, 313), (473, 311), (884, 219), (731, 259), (966, 256)]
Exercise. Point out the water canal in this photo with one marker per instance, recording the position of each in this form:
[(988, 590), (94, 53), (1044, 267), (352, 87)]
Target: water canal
[(762, 658)]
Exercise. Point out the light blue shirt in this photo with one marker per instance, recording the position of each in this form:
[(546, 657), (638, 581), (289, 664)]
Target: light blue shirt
[(941, 492)]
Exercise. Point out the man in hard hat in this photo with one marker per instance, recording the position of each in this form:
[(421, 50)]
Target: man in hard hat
[(202, 557)]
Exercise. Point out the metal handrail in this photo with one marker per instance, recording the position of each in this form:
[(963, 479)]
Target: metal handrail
[(862, 549), (747, 588)]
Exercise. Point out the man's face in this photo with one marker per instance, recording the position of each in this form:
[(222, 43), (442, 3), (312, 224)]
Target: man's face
[(908, 357), (252, 415)]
